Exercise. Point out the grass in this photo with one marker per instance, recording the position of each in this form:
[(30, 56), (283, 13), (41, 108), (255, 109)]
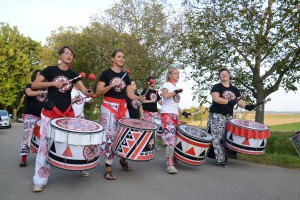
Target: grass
[(292, 127)]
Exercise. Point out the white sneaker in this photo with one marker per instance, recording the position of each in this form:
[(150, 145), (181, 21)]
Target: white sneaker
[(171, 169), (37, 188), (85, 173)]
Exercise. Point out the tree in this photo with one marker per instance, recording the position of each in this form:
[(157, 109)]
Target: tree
[(258, 41), (155, 25), (18, 54)]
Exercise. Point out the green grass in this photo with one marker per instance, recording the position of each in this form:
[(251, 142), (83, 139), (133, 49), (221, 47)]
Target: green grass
[(279, 151), (292, 127)]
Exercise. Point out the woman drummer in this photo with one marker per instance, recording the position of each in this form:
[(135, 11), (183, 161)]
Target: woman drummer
[(35, 100), (60, 80), (225, 96), (114, 85), (170, 115)]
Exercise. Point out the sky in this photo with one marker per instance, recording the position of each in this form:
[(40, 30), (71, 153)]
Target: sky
[(37, 18)]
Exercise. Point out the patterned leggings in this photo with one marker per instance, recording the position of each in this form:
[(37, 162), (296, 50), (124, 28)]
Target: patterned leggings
[(216, 126), (29, 122)]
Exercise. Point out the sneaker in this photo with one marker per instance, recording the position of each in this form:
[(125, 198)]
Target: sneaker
[(176, 162), (85, 173), (221, 164), (171, 169), (38, 188), (22, 164)]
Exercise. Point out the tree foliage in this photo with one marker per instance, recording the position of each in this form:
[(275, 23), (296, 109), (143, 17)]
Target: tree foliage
[(258, 41), (18, 56)]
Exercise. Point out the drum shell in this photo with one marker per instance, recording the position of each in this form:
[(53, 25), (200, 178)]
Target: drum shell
[(74, 150), (157, 121), (134, 143), (241, 142), (35, 139), (192, 148)]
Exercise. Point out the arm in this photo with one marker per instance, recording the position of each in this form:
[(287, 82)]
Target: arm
[(141, 111), (216, 98), (185, 114), (132, 96), (39, 83), (29, 92), (101, 89), (82, 88)]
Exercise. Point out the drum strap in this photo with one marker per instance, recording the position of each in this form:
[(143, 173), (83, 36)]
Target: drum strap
[(148, 113), (121, 112), (164, 119)]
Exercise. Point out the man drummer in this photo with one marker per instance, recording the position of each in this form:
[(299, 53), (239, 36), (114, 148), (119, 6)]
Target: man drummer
[(224, 97), (60, 80), (152, 98)]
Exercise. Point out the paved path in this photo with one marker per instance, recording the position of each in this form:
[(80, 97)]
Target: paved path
[(148, 180)]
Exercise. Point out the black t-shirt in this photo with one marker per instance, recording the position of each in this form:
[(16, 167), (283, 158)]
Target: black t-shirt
[(34, 105), (108, 77), (61, 98), (133, 107), (151, 95), (229, 93)]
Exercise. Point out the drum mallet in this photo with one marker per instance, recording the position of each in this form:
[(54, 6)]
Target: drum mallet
[(127, 71), (200, 111), (93, 96), (151, 82), (262, 102), (81, 75), (91, 78)]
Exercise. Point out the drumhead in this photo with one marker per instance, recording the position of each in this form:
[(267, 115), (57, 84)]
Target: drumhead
[(157, 119), (194, 133), (249, 124), (39, 122), (76, 125), (138, 124)]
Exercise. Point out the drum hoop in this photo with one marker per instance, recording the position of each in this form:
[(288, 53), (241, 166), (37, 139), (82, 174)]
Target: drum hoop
[(74, 132), (208, 137), (136, 128), (251, 128)]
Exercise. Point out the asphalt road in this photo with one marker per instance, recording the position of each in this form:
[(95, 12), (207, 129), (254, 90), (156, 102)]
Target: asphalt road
[(148, 180)]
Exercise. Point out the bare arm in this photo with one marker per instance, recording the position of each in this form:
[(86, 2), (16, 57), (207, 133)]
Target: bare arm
[(82, 88), (101, 89), (39, 83), (29, 92), (141, 111), (132, 96), (166, 94)]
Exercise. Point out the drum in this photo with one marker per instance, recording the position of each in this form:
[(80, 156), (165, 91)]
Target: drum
[(296, 141), (74, 143), (246, 136), (35, 139), (135, 139), (157, 121), (192, 145)]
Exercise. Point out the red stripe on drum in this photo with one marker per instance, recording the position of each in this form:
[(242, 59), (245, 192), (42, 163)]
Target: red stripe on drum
[(191, 142), (72, 167), (245, 151), (141, 145), (188, 161)]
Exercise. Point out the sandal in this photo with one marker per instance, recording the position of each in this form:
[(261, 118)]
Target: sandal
[(125, 165), (109, 176)]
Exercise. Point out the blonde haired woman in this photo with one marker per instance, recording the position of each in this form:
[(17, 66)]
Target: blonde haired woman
[(170, 115)]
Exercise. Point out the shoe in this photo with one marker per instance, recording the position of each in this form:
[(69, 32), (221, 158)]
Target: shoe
[(109, 175), (85, 173), (171, 169), (125, 166), (37, 188), (221, 164), (22, 164)]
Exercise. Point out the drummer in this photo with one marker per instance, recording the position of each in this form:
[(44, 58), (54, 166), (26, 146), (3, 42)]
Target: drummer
[(114, 85), (152, 98), (35, 100), (59, 86), (225, 96), (134, 106), (170, 115)]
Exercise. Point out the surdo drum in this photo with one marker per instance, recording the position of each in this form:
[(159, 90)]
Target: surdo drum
[(35, 139), (157, 121), (74, 143), (295, 139), (192, 145), (246, 136), (135, 139)]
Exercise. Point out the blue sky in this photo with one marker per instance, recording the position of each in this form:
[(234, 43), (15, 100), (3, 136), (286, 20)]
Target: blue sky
[(37, 18)]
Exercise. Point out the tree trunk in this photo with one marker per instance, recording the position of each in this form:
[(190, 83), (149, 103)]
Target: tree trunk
[(259, 114), (14, 114)]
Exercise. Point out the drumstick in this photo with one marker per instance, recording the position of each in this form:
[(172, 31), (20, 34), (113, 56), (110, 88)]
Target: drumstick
[(264, 101), (93, 96), (206, 108), (81, 75), (151, 82), (127, 71), (91, 78)]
